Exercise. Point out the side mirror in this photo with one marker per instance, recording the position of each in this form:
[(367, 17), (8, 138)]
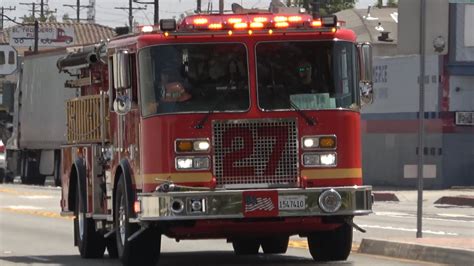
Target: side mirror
[(366, 84), (122, 104), (121, 70)]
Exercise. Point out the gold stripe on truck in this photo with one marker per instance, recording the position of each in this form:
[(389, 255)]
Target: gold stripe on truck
[(339, 173)]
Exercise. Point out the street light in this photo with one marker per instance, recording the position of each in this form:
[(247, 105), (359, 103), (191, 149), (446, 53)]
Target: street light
[(156, 19)]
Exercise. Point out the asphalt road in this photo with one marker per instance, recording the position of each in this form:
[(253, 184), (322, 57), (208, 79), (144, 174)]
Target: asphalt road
[(32, 232)]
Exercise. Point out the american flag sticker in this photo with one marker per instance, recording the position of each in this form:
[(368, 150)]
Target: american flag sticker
[(260, 203), (257, 203)]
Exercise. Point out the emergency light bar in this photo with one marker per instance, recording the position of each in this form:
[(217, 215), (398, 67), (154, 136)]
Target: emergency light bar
[(256, 22)]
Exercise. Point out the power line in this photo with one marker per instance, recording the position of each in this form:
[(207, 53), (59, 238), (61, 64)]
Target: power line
[(156, 9), (78, 7), (43, 12), (130, 9), (3, 13)]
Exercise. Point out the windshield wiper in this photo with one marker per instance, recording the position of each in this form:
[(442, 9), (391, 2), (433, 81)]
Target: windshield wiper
[(311, 121), (219, 100)]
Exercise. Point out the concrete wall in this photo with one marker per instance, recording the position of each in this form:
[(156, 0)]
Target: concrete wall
[(461, 92), (458, 159), (437, 24), (385, 157), (396, 84)]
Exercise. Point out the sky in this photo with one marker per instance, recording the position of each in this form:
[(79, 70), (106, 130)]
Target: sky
[(106, 14)]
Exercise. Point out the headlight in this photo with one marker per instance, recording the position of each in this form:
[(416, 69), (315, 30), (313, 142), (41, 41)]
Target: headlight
[(328, 159), (192, 163), (320, 159), (310, 142), (192, 145), (201, 145), (319, 142), (310, 159), (184, 163)]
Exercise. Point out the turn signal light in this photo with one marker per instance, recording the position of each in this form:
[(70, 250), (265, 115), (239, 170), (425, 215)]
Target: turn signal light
[(137, 207), (184, 146), (327, 142), (316, 23)]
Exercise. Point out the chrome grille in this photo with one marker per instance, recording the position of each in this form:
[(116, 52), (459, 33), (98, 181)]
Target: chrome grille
[(255, 152)]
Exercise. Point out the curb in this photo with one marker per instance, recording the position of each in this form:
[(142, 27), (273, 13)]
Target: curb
[(451, 256), (457, 200), (385, 196)]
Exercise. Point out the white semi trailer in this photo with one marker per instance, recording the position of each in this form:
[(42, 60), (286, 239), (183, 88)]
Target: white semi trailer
[(39, 119)]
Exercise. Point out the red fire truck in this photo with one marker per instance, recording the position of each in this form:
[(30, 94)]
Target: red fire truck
[(244, 127)]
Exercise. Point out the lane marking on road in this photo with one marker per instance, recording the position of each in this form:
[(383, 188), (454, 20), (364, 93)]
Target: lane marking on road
[(454, 215), (22, 193), (407, 229), (34, 197), (442, 216), (23, 207), (38, 258), (35, 212), (304, 245)]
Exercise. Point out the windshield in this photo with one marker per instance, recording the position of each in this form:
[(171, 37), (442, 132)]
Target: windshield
[(194, 78), (310, 75)]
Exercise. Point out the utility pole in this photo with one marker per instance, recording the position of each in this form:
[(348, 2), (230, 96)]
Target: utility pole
[(42, 9), (421, 119), (33, 8), (3, 12), (156, 9), (78, 7), (130, 9)]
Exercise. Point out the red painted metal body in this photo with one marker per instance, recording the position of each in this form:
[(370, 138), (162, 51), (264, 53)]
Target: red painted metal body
[(151, 158)]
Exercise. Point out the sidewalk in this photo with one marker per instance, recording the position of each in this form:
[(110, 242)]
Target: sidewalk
[(452, 251)]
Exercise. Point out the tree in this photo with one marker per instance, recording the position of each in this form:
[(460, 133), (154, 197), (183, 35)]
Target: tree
[(67, 18), (326, 6), (48, 17)]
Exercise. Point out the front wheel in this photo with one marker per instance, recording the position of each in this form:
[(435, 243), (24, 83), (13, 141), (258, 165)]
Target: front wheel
[(145, 248), (91, 244), (246, 246), (275, 245), (331, 245)]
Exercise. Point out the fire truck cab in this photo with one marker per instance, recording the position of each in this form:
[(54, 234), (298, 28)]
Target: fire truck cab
[(244, 127)]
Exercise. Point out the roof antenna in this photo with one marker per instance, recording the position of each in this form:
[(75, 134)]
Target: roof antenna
[(315, 9), (198, 7)]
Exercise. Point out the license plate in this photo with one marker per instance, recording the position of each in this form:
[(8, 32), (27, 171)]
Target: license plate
[(291, 202)]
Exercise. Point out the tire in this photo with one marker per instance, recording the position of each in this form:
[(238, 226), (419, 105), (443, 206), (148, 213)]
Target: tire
[(332, 245), (57, 170), (8, 178), (90, 243), (247, 246), (3, 177), (275, 245), (30, 174), (111, 244), (145, 248)]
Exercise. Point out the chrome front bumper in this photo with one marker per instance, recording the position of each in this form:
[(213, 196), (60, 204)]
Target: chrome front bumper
[(158, 206)]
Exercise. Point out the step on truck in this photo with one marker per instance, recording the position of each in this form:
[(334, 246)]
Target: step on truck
[(244, 127)]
